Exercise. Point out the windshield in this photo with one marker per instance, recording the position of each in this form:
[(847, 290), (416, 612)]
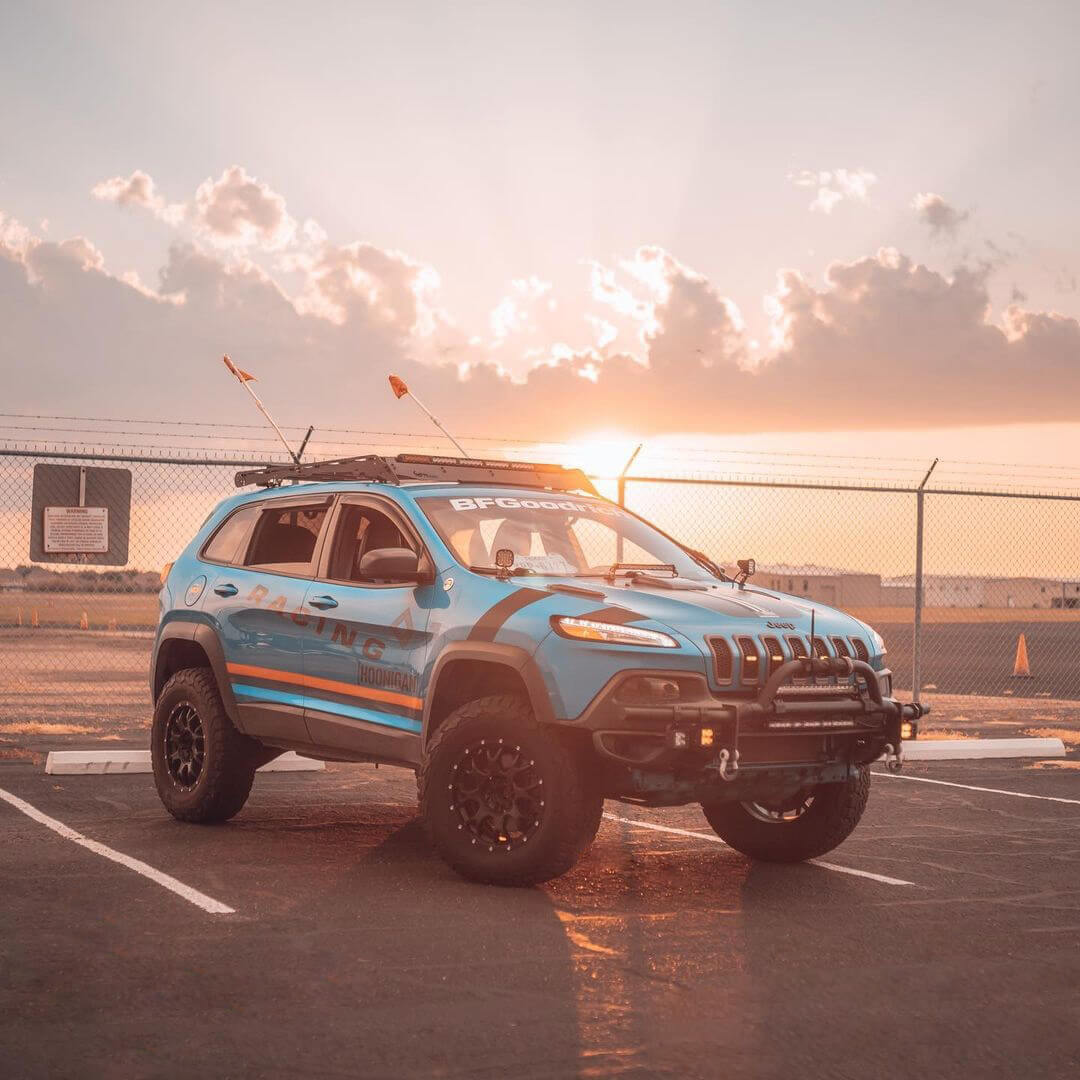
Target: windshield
[(575, 537)]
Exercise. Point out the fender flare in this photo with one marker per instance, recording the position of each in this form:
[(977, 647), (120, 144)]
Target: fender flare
[(201, 634), (508, 656)]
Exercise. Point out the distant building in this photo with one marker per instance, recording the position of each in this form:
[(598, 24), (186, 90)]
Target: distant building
[(847, 589), (963, 591), (837, 588)]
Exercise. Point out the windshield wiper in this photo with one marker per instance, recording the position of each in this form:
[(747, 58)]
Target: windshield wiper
[(706, 563), (631, 569)]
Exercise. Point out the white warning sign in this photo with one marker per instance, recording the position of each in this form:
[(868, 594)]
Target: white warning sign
[(76, 530)]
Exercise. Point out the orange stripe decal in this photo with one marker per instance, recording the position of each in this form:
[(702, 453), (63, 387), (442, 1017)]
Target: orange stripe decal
[(389, 697)]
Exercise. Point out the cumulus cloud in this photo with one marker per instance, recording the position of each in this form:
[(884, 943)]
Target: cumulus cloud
[(833, 186), (942, 218), (882, 341), (516, 313), (238, 211), (138, 191), (362, 282)]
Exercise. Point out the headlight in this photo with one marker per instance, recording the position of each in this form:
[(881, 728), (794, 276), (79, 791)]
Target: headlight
[(610, 633)]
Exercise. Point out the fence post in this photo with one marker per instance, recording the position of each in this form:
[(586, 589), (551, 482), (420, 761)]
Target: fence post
[(620, 496), (916, 643)]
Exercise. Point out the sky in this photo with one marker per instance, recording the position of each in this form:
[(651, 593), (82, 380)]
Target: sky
[(848, 223)]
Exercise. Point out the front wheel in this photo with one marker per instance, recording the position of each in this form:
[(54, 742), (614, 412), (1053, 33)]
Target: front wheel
[(504, 801), (802, 827)]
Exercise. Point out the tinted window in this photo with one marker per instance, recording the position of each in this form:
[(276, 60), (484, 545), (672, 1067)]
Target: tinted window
[(362, 529), (225, 544), (284, 539)]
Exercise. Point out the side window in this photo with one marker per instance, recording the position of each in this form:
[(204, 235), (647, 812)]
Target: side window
[(224, 545), (362, 529), (284, 539)]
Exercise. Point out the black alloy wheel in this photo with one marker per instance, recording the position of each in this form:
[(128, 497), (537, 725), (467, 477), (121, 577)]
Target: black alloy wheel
[(497, 794), (185, 745), (506, 800)]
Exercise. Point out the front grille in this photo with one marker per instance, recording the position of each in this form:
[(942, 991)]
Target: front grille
[(841, 646), (861, 651), (774, 652), (751, 661), (722, 659), (798, 647), (821, 650)]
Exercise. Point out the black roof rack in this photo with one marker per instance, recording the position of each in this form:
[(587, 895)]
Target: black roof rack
[(421, 467)]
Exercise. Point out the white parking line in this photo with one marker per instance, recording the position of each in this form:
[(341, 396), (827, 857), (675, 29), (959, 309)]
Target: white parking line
[(192, 896), (716, 840), (972, 787)]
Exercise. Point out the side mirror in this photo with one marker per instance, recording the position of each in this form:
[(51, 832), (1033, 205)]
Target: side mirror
[(394, 564)]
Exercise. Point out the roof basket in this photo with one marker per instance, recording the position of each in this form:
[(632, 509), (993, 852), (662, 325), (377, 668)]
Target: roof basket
[(421, 467)]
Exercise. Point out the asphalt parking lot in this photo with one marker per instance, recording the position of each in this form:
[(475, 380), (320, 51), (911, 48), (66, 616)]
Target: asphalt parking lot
[(352, 951)]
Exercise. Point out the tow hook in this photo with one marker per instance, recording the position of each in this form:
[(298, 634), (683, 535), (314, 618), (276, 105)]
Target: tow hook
[(729, 764), (894, 759)]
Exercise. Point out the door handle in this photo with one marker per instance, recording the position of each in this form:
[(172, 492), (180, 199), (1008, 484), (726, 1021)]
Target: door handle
[(226, 589), (322, 602)]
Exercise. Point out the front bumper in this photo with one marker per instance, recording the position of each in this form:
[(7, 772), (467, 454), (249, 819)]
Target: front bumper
[(785, 734)]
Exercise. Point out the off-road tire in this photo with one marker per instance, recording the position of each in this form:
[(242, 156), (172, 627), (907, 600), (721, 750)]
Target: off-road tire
[(828, 821), (572, 805), (229, 758)]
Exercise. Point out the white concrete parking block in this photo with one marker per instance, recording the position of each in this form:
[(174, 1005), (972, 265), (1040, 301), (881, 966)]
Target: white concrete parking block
[(969, 749), (96, 762)]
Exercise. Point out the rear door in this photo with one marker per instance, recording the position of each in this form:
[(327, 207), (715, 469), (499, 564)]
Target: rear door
[(364, 657), (256, 602)]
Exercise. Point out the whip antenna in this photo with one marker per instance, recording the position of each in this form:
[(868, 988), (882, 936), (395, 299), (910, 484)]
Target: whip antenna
[(400, 389), (244, 378)]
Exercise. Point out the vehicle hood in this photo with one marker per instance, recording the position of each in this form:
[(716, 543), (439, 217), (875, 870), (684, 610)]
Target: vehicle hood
[(724, 608)]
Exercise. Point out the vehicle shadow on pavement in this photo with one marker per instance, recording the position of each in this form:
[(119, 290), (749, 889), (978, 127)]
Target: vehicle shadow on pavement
[(393, 965)]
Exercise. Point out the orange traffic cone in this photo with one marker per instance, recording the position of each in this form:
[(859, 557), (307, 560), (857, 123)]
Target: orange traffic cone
[(34, 619), (18, 618), (84, 622), (1021, 668)]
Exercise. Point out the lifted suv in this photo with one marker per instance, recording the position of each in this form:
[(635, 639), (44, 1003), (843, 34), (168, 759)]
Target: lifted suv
[(526, 646)]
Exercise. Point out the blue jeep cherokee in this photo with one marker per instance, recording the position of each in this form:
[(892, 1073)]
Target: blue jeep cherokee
[(526, 646)]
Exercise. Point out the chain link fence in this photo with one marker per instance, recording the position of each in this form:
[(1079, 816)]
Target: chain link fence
[(999, 572)]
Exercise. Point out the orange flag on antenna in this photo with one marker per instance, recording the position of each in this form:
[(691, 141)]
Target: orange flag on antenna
[(242, 375), (398, 386)]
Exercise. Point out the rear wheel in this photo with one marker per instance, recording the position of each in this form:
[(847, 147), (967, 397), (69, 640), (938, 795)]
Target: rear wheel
[(203, 766), (504, 801), (804, 826)]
